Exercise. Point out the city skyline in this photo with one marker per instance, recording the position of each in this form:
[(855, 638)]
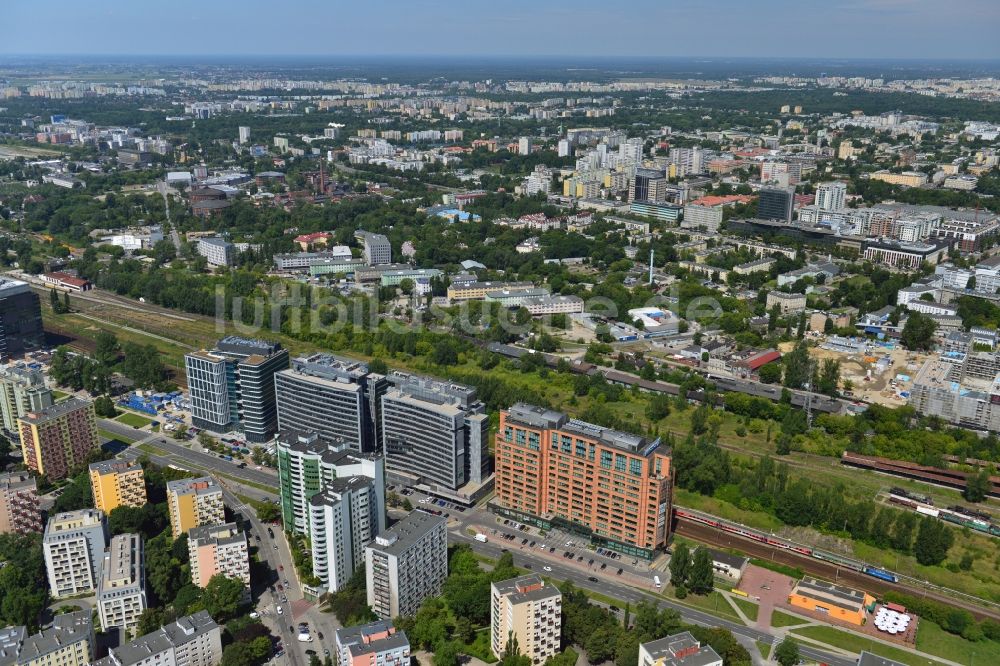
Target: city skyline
[(836, 29)]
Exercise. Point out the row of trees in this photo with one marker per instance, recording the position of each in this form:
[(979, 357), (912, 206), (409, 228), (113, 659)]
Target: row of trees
[(140, 363)]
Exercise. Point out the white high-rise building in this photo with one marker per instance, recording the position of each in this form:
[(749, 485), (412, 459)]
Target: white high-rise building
[(831, 196), (121, 594), (524, 145), (344, 518), (73, 547), (565, 148), (406, 564), (631, 151), (244, 134)]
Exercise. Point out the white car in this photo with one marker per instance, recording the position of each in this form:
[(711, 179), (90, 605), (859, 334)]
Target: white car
[(546, 568), (254, 615), (280, 612)]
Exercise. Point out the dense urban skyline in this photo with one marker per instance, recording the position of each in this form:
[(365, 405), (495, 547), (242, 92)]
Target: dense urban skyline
[(772, 28)]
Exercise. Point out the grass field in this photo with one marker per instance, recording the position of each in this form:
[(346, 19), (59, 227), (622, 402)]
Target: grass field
[(749, 608), (855, 643), (779, 619), (59, 395), (713, 603), (764, 649), (932, 639), (134, 420)]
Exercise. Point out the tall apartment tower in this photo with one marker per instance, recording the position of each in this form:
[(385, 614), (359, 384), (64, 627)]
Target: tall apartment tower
[(20, 319), (524, 145), (193, 503), (232, 386), (22, 390), (121, 593), (406, 564), (527, 609), (244, 134), (831, 196), (435, 432), (73, 546), (58, 438), (218, 549), (776, 203), (308, 464), (615, 486), (19, 510), (344, 517), (337, 398), (116, 483)]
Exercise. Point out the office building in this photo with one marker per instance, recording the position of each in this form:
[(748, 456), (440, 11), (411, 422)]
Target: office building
[(22, 390), (344, 517), (377, 248), (308, 464), (56, 439), (232, 386), (528, 610), (193, 503), (373, 644), (787, 303), (193, 640), (68, 642), (218, 251), (19, 510), (244, 134), (648, 185), (116, 483), (20, 319), (614, 486), (406, 564), (678, 650), (121, 593), (73, 547), (702, 218), (831, 196), (218, 549), (337, 398), (906, 178), (776, 203), (435, 432)]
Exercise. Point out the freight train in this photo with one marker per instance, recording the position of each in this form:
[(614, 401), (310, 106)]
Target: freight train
[(955, 514), (771, 540)]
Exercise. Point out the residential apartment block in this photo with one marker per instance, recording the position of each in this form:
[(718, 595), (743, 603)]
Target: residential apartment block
[(614, 485), (337, 398), (344, 517), (678, 650), (406, 564), (218, 549), (22, 390), (373, 644), (68, 642), (308, 464), (121, 593), (19, 510), (527, 609), (73, 547), (232, 386), (193, 640), (193, 503), (435, 432), (56, 439), (116, 483)]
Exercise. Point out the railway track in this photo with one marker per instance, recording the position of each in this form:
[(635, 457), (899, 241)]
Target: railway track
[(820, 568)]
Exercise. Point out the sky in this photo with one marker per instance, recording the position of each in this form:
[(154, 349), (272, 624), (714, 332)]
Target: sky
[(904, 29)]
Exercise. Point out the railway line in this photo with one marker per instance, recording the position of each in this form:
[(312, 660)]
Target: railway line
[(758, 544)]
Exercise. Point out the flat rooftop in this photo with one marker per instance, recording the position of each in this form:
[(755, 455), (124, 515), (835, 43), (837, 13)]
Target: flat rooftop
[(540, 417), (836, 595), (56, 411), (408, 531)]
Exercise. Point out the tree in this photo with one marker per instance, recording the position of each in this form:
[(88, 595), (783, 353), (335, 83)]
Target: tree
[(267, 512), (932, 542), (787, 652), (680, 565), (406, 286), (829, 377), (977, 486), (797, 366), (76, 495), (106, 349), (222, 596), (66, 306), (770, 373), (702, 576), (105, 407), (446, 654), (918, 332)]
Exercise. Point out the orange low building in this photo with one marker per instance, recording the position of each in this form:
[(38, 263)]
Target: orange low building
[(613, 487), (837, 602)]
